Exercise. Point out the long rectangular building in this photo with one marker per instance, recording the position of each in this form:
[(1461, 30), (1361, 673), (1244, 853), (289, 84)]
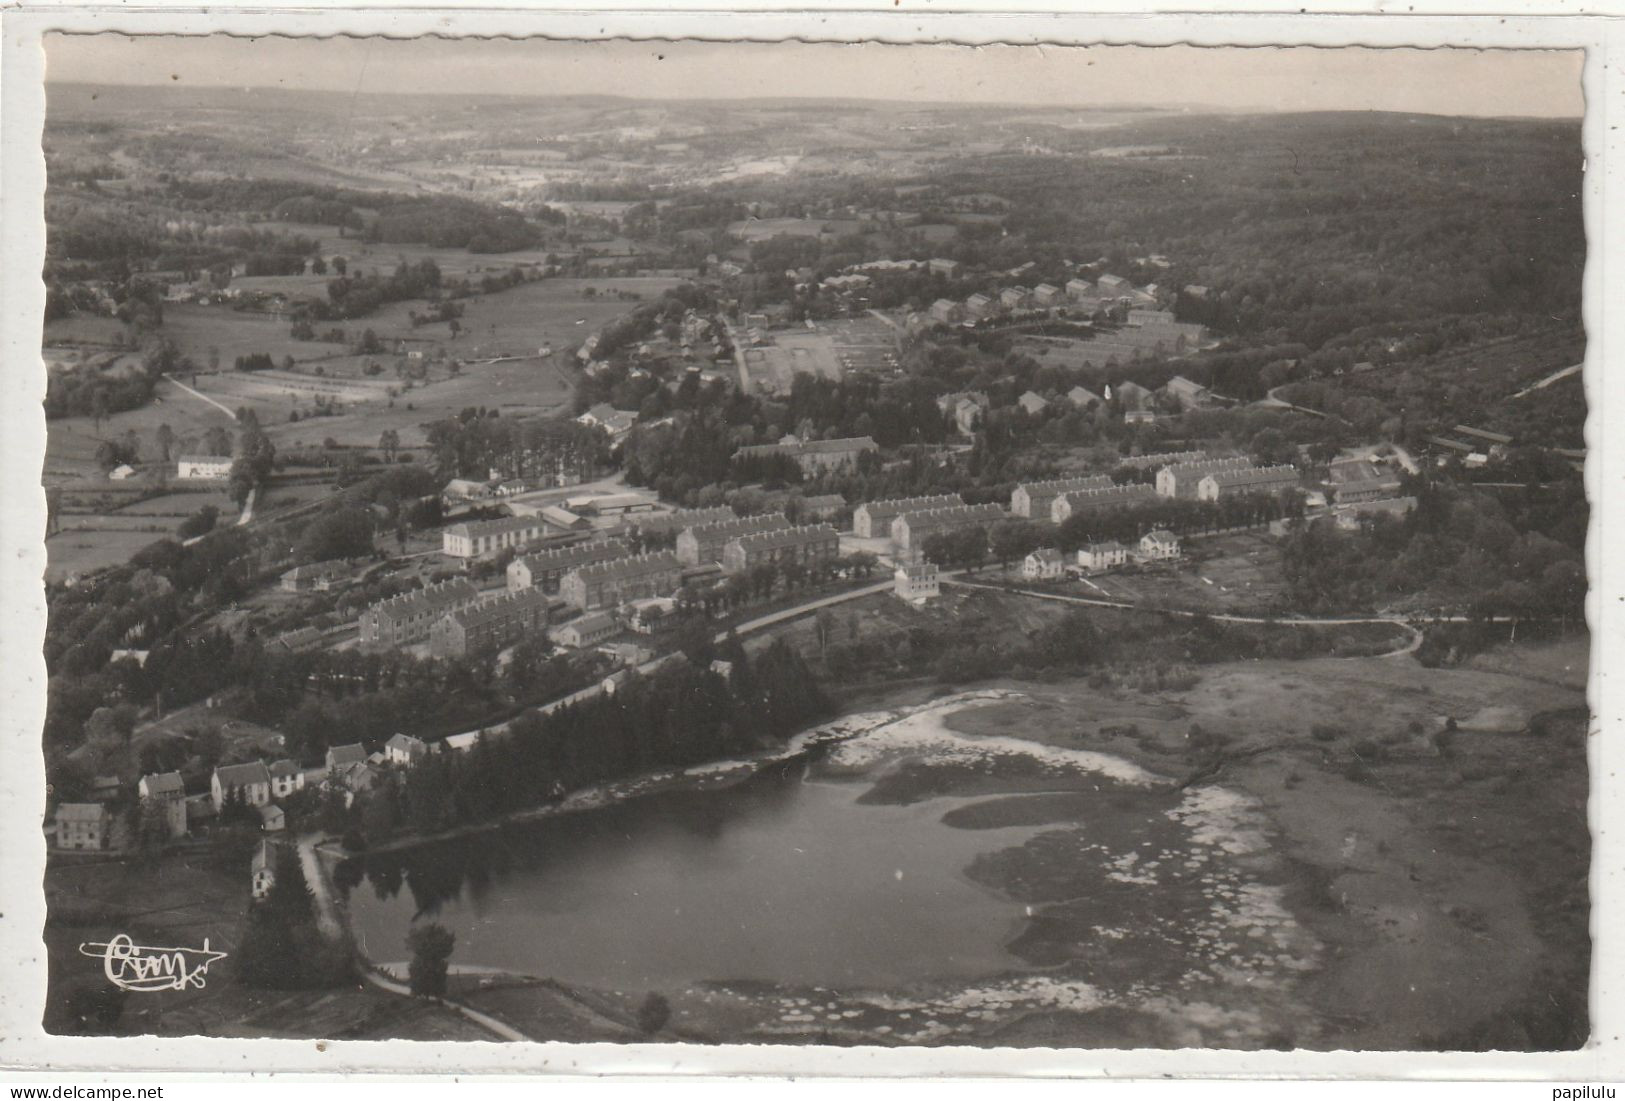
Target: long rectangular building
[(705, 542), (910, 530), (480, 537), (1068, 505), (612, 583), (814, 456), (1180, 479), (544, 569), (489, 625), (1033, 499), (661, 523), (405, 619), (1255, 479), (1161, 459), (872, 519), (806, 545)]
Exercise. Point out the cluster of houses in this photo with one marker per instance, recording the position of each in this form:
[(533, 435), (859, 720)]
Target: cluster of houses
[(1139, 404), (455, 618), (1048, 564), (257, 785)]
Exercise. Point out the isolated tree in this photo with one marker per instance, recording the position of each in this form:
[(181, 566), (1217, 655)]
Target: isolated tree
[(166, 440), (389, 442), (653, 1013), (431, 947)]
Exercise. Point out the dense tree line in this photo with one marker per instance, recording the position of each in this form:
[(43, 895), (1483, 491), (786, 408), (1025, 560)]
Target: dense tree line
[(1519, 554), (682, 715)]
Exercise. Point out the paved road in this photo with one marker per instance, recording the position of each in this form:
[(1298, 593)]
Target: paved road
[(812, 606)]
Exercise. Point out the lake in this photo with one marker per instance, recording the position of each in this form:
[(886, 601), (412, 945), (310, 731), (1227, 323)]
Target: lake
[(781, 877)]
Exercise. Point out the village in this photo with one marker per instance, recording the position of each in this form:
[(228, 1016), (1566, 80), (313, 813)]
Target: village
[(649, 521)]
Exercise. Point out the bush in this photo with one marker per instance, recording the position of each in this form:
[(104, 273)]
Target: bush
[(1325, 732), (653, 1013)]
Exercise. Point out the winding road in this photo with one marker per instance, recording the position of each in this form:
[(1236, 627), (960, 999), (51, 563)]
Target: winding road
[(1223, 617)]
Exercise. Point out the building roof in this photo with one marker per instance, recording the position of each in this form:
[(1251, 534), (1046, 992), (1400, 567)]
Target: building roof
[(264, 857), (1207, 466), (237, 776), (1160, 535), (577, 554), (591, 623), (633, 565), (478, 528), (824, 500), (204, 459), (896, 506), (164, 783), (447, 594), (786, 537), (1078, 395), (680, 519), (1045, 554), (1254, 476), (724, 530), (270, 811), (406, 742), (501, 607), (81, 812), (1130, 492), (1108, 547), (1184, 385), (340, 755), (918, 571), (1056, 486), (951, 516)]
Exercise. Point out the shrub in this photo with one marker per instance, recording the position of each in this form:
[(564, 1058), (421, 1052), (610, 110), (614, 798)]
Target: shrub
[(1325, 732), (653, 1013)]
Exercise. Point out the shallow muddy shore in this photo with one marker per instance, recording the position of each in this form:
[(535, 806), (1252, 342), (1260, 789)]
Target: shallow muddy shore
[(1287, 898)]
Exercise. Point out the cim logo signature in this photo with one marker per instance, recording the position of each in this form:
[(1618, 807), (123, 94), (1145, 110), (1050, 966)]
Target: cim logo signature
[(139, 967)]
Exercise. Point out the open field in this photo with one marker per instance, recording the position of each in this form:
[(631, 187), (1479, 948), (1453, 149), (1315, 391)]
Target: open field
[(1235, 572), (70, 445), (1402, 871)]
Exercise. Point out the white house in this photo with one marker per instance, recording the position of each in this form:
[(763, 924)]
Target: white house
[(82, 826), (286, 778), (203, 467), (252, 781), (1102, 556), (1159, 544), (405, 750), (1045, 564), (121, 472), (916, 584)]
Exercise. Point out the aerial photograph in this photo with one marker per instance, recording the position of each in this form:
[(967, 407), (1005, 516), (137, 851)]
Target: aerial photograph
[(815, 544)]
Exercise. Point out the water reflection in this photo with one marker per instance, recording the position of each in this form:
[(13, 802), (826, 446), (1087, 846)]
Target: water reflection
[(779, 877)]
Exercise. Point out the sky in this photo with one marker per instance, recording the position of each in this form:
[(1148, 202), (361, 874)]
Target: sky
[(1445, 82)]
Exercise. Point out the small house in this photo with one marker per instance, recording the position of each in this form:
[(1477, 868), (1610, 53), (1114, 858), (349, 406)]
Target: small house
[(272, 818), (1102, 556), (917, 583), (1044, 564), (340, 757), (83, 826), (286, 778), (262, 869), (251, 782), (1159, 545), (405, 750)]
